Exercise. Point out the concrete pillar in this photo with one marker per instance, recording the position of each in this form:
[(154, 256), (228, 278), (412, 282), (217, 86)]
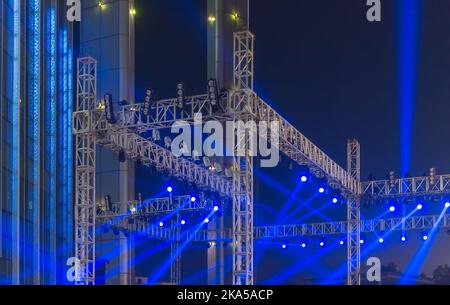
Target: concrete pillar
[(107, 34)]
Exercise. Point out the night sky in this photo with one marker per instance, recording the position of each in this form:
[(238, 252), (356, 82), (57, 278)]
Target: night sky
[(331, 73)]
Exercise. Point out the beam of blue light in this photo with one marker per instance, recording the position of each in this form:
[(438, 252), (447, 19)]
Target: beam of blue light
[(289, 203), (340, 272), (155, 277), (408, 49), (288, 272), (415, 265)]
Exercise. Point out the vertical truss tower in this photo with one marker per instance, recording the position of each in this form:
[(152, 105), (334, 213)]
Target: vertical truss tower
[(85, 145), (354, 216), (243, 111)]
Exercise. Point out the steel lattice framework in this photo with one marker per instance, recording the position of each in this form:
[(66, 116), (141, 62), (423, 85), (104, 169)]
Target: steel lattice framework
[(239, 105), (407, 187), (354, 216), (85, 146)]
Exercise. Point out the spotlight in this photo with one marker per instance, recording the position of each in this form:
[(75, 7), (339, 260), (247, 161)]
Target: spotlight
[(216, 208), (284, 246), (304, 178), (392, 209), (183, 222), (322, 242), (361, 241), (169, 189), (206, 220), (381, 240), (193, 199), (161, 224), (424, 236), (303, 245), (341, 242), (419, 206), (447, 205), (212, 19), (403, 239), (321, 190), (335, 200)]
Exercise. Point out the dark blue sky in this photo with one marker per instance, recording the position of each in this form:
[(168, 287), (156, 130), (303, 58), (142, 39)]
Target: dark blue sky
[(333, 75)]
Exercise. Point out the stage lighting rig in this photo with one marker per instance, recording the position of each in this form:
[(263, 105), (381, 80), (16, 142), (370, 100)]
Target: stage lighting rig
[(109, 109)]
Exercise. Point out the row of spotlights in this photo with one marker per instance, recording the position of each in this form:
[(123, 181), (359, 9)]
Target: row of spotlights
[(362, 241)]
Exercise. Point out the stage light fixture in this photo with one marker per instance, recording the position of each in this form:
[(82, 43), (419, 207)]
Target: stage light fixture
[(284, 246), (183, 222), (335, 200), (168, 142), (424, 236), (216, 208), (420, 206), (211, 19), (169, 189), (321, 190), (303, 178), (206, 220), (181, 97), (161, 224), (303, 245), (361, 241), (108, 203), (213, 92), (392, 209), (193, 199), (447, 205), (381, 240), (156, 135), (147, 102), (403, 239), (342, 242), (109, 109)]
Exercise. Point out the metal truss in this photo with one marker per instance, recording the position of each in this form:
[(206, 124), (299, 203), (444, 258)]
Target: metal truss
[(85, 146), (354, 216), (241, 103), (154, 207), (406, 187), (148, 153), (288, 232), (175, 249), (340, 228)]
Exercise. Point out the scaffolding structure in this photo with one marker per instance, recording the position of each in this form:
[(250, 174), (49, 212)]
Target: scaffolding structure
[(239, 105)]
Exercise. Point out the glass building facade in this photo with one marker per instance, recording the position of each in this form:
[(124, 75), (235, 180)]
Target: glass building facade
[(36, 97)]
